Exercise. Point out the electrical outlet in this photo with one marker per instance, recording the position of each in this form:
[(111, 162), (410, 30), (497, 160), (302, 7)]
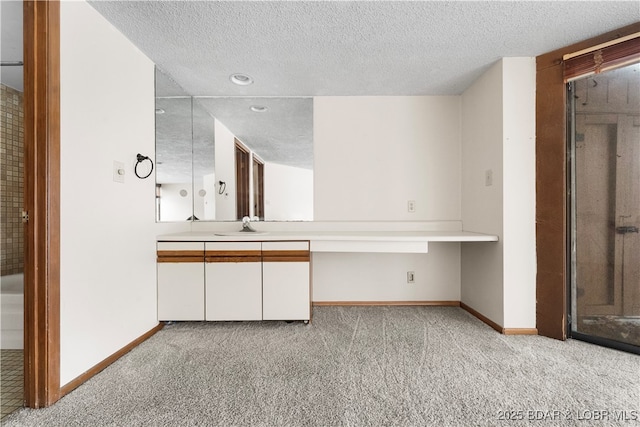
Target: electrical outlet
[(411, 277), (488, 178), (411, 206)]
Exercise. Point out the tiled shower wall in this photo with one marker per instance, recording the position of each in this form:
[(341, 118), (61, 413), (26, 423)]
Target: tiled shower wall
[(12, 181)]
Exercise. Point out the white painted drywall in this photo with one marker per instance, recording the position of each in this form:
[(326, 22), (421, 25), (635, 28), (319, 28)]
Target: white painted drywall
[(383, 277), (107, 249), (482, 206), (498, 134), (288, 193), (374, 154), (519, 184), (371, 156)]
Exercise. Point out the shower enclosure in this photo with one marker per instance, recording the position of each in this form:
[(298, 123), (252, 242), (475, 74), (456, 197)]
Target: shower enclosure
[(605, 207)]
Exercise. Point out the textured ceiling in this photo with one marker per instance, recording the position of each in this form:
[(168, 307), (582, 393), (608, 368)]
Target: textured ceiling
[(307, 48), (281, 134)]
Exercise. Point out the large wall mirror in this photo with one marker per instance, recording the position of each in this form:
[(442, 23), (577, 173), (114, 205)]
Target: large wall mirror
[(220, 159)]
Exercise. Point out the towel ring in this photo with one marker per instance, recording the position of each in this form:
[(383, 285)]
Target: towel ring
[(141, 159)]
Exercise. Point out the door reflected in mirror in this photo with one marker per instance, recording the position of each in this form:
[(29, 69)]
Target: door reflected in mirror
[(199, 175)]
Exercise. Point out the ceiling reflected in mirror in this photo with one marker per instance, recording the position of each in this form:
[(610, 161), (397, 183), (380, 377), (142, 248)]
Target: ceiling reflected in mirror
[(282, 133)]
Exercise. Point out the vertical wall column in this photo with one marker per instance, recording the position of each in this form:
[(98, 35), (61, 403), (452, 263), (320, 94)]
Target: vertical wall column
[(42, 202)]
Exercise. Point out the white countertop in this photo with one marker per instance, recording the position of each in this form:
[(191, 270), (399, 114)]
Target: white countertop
[(372, 236), (341, 241)]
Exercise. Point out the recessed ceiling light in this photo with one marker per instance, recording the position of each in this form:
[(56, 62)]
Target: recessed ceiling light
[(241, 79), (159, 111), (258, 108)]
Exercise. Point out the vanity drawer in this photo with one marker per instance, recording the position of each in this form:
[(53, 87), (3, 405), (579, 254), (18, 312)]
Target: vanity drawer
[(233, 252), (285, 252), (180, 252)]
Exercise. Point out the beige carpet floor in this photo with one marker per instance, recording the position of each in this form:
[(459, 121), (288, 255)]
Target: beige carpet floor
[(354, 366)]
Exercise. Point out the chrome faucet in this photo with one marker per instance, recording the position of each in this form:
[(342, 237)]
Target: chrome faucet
[(246, 225)]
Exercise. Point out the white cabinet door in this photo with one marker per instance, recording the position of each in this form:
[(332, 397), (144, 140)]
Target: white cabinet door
[(233, 281), (181, 291), (180, 281), (286, 281)]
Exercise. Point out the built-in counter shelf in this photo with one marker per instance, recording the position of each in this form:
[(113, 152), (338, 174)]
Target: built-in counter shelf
[(263, 276), (360, 241)]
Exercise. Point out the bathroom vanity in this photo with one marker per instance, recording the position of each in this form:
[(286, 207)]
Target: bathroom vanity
[(233, 276), (234, 280)]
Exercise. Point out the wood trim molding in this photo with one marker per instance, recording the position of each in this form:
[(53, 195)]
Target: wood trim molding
[(42, 201), (233, 256), (497, 327), (285, 253), (520, 331), (482, 317), (389, 303), (76, 382), (551, 179)]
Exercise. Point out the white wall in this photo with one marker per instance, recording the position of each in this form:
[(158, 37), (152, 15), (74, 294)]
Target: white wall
[(288, 193), (107, 248), (372, 155), (482, 205), (383, 277), (498, 134), (519, 184)]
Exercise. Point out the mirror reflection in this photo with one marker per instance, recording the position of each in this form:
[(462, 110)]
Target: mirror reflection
[(225, 158)]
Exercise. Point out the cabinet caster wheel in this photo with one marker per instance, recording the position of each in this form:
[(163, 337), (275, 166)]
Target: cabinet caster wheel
[(306, 322)]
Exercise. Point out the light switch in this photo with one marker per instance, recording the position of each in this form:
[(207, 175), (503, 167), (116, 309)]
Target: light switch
[(488, 178), (118, 172)]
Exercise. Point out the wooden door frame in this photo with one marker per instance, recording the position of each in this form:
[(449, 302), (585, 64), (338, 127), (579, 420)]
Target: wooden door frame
[(42, 202), (243, 186), (258, 187), (551, 182)]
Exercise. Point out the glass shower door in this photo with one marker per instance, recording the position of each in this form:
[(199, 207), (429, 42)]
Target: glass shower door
[(605, 208)]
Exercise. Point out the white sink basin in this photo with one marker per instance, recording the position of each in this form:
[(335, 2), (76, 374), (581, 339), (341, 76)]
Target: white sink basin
[(241, 233)]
